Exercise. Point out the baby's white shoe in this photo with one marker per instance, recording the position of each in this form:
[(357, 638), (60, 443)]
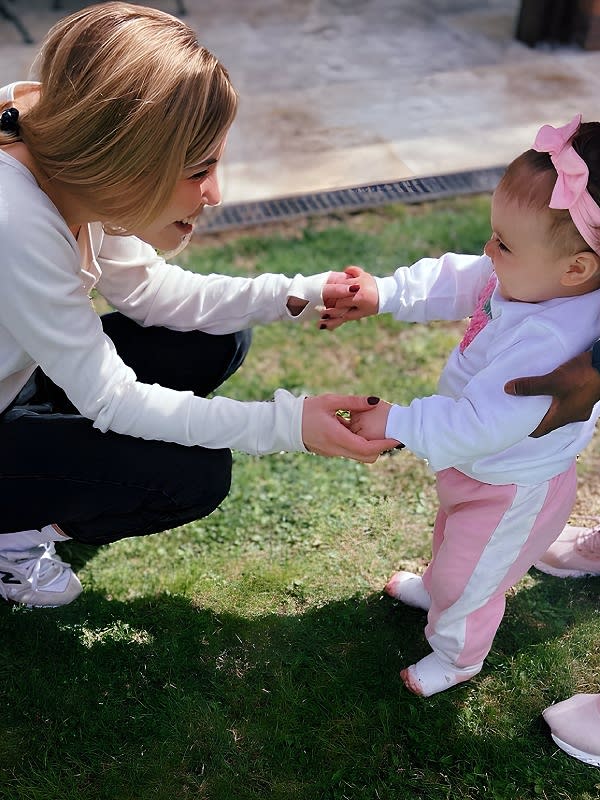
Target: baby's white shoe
[(408, 588), (430, 676)]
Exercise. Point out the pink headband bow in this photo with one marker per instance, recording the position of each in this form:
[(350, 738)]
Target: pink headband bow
[(570, 190)]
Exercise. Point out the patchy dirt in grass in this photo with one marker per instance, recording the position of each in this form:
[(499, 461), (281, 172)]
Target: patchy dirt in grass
[(587, 506)]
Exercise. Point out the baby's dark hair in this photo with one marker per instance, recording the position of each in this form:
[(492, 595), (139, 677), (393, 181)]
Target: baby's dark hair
[(530, 179)]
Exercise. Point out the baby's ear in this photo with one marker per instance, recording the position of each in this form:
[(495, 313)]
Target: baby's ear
[(583, 267)]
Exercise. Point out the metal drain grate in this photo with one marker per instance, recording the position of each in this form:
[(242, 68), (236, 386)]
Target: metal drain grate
[(413, 190)]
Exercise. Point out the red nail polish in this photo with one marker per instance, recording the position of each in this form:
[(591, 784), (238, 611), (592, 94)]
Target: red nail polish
[(354, 288), (322, 327), (372, 401)]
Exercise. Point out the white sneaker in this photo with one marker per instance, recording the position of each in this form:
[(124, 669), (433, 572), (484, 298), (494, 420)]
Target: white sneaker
[(37, 577), (408, 588), (430, 676)]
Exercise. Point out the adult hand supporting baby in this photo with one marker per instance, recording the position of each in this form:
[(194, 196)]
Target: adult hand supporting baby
[(326, 433), (574, 388)]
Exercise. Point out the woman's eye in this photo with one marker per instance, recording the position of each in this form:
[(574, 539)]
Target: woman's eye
[(198, 176)]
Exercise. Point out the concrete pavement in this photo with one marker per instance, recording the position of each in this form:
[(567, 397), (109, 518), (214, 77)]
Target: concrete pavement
[(340, 93)]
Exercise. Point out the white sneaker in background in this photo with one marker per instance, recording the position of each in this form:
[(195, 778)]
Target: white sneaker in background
[(575, 726), (575, 554)]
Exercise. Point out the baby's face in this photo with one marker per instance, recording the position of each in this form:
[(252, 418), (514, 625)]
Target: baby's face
[(528, 268)]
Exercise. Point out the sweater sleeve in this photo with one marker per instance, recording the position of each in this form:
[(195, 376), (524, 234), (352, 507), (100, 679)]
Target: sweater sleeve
[(47, 313), (140, 284), (445, 288)]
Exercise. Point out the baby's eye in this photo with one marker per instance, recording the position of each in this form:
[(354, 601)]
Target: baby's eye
[(503, 247)]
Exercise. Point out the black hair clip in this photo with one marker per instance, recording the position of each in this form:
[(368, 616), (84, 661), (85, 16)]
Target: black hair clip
[(9, 120)]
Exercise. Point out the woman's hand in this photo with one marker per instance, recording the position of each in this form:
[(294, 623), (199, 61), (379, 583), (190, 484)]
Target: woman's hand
[(336, 287), (361, 299), (574, 387), (326, 433)]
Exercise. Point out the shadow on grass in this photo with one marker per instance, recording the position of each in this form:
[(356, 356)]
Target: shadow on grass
[(158, 698), (76, 554)]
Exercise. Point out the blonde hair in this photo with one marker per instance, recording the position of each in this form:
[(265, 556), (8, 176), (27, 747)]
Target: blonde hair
[(128, 100)]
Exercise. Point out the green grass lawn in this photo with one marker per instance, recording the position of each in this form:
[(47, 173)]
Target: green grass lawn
[(252, 655)]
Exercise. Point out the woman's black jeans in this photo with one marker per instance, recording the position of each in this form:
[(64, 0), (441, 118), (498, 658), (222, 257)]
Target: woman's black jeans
[(99, 487)]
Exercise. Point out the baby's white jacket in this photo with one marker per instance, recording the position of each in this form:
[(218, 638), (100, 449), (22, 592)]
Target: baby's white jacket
[(471, 423), (46, 319)]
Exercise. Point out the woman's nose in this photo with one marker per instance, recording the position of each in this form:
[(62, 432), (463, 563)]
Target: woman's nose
[(211, 191)]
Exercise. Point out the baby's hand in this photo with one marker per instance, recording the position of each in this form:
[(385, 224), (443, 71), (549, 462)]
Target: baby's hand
[(362, 300), (371, 424)]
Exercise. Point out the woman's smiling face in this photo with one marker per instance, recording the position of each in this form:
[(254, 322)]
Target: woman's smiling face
[(198, 187)]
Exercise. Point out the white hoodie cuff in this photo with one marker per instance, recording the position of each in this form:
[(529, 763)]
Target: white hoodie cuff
[(388, 290), (287, 423), (310, 288)]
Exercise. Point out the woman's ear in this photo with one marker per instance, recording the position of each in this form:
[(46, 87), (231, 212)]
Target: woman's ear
[(583, 266)]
